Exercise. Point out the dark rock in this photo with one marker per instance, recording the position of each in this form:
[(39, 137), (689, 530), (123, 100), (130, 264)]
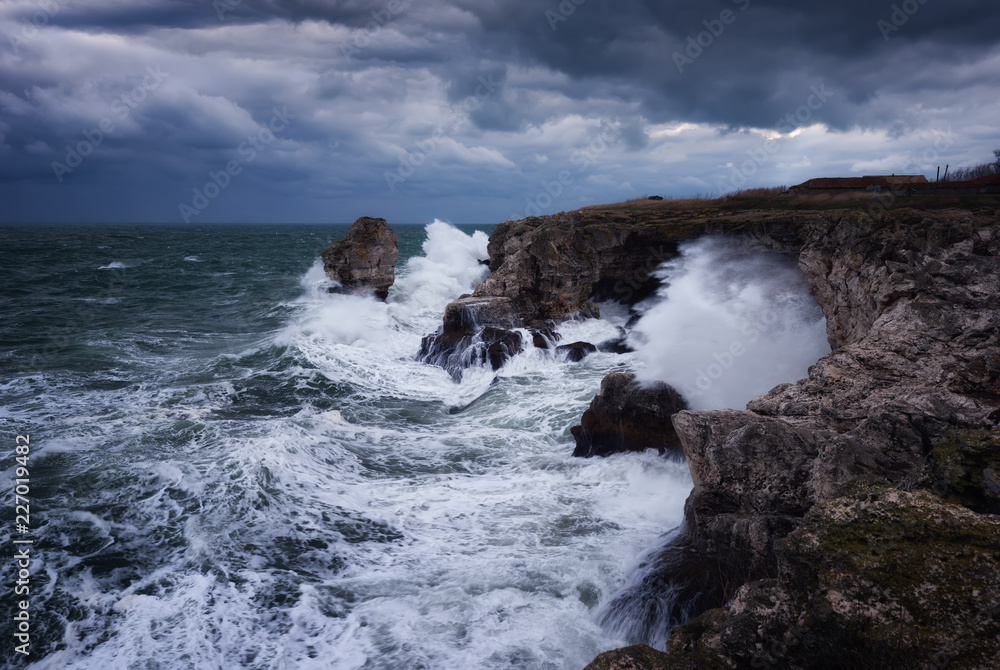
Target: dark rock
[(627, 417), (466, 315), (964, 468), (500, 346), (670, 585), (576, 352), (365, 259), (638, 657), (619, 345), (337, 289), (475, 331), (589, 310), (543, 338)]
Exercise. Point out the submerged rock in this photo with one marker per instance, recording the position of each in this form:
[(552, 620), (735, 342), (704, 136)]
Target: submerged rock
[(618, 345), (671, 584), (365, 259), (543, 338), (627, 417)]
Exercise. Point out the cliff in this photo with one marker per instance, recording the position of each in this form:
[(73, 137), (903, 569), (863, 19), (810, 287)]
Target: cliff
[(831, 506)]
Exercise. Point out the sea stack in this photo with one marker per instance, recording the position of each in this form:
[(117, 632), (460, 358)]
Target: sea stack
[(627, 417), (365, 259)]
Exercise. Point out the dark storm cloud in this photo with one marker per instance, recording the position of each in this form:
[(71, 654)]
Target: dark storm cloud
[(488, 96), (210, 13), (761, 63)]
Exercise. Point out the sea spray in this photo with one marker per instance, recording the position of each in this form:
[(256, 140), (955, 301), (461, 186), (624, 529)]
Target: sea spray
[(451, 265), (728, 325), (239, 476)]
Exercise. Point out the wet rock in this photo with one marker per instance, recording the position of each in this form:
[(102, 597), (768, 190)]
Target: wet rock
[(576, 351), (543, 338), (465, 315), (475, 331), (626, 417), (499, 346), (670, 585), (618, 345), (365, 259), (589, 310), (638, 657)]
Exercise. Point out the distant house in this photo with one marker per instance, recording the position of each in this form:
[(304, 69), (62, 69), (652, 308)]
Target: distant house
[(874, 184)]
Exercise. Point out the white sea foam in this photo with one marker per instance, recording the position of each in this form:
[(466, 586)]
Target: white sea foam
[(391, 518), (449, 267), (116, 265), (729, 325)]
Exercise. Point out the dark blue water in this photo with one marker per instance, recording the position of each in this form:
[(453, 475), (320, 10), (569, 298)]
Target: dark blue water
[(231, 468)]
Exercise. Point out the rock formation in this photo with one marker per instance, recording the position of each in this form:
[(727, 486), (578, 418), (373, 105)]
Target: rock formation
[(626, 417), (817, 502), (876, 578), (475, 331), (552, 267), (576, 351), (365, 259), (913, 314)]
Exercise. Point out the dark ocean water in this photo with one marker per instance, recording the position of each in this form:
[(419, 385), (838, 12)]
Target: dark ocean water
[(231, 468)]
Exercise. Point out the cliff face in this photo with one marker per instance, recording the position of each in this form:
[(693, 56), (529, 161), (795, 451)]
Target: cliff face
[(912, 301), (876, 578), (913, 314), (551, 267)]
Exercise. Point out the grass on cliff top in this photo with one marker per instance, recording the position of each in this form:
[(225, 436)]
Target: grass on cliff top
[(778, 198)]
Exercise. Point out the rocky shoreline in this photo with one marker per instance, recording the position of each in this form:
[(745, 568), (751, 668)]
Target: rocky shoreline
[(851, 517), (835, 550)]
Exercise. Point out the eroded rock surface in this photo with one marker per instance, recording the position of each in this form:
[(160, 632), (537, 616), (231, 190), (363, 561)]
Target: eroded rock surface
[(878, 577), (475, 331), (365, 259), (808, 498), (912, 302), (626, 417)]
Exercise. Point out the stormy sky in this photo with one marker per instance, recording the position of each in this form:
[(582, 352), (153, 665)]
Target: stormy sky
[(473, 110)]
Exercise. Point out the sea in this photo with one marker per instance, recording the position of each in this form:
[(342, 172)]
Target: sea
[(224, 465)]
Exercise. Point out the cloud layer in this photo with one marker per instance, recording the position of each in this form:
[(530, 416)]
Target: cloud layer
[(472, 110)]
